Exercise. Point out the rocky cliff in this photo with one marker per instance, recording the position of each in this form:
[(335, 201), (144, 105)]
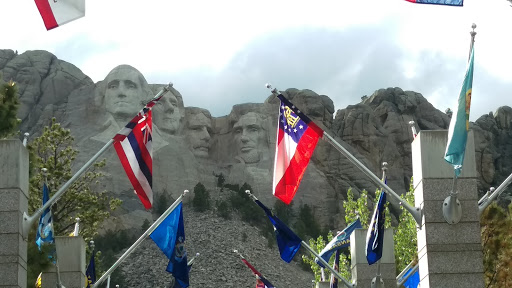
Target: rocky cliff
[(191, 146)]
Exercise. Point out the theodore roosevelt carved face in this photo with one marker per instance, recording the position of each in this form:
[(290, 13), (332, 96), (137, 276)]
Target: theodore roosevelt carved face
[(198, 129)]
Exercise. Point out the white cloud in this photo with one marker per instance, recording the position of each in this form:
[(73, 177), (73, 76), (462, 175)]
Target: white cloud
[(220, 53)]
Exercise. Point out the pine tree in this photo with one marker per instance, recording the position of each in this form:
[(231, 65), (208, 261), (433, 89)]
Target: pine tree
[(201, 201), (53, 150), (8, 108)]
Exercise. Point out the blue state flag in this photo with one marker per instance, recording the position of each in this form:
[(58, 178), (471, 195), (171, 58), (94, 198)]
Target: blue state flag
[(342, 240), (90, 274), (375, 236), (459, 124), (439, 2), (287, 241), (169, 236), (45, 227)]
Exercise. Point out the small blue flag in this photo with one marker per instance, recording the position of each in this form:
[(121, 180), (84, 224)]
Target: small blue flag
[(375, 236), (169, 236), (342, 240), (287, 241), (459, 124), (90, 274), (45, 227)]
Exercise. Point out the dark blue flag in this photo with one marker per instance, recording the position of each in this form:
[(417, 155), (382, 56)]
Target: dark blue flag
[(342, 240), (45, 227), (90, 274), (287, 241), (169, 236), (336, 267), (375, 236)]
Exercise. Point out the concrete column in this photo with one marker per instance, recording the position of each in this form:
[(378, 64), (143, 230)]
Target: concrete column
[(362, 273), (13, 202), (327, 284), (450, 255), (71, 257)]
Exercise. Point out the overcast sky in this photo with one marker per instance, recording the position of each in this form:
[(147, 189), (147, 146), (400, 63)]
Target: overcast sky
[(221, 53)]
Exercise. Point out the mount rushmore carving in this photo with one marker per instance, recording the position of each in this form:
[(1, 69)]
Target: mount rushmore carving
[(191, 146)]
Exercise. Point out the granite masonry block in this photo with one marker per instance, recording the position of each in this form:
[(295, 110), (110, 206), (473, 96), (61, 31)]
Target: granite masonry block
[(12, 200), (358, 251), (439, 189), (452, 262), (455, 280), (73, 249), (433, 211), (365, 271), (15, 164), (428, 150), (10, 222), (13, 275), (444, 233)]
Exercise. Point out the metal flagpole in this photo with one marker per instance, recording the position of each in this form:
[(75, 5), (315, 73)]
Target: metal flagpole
[(108, 281), (452, 209), (334, 272), (377, 280), (485, 202), (415, 211), (28, 221), (399, 280), (141, 238)]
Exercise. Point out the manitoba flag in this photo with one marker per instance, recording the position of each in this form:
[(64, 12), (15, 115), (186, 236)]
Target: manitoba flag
[(133, 146), (297, 137), (56, 13)]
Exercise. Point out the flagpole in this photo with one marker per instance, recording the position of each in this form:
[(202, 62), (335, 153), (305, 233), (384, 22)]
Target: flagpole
[(415, 211), (452, 209), (141, 238), (305, 245), (494, 194), (334, 272), (28, 221), (399, 280)]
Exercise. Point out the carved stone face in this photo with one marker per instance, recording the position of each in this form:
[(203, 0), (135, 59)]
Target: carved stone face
[(167, 114), (250, 137), (197, 134), (123, 94)]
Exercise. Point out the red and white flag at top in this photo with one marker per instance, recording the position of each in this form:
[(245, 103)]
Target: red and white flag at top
[(297, 137), (133, 146), (56, 13)]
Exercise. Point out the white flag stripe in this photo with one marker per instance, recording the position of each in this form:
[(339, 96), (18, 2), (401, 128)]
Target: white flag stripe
[(134, 164), (65, 11)]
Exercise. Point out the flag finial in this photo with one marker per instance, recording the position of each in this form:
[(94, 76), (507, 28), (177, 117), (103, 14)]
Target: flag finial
[(273, 90)]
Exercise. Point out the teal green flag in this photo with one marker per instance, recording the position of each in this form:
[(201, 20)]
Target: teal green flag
[(459, 125)]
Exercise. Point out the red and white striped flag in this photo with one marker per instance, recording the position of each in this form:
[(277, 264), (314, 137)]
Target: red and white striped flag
[(133, 146), (56, 13), (297, 137)]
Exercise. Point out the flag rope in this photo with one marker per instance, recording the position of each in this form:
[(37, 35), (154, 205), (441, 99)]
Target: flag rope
[(141, 238), (415, 211), (28, 221)]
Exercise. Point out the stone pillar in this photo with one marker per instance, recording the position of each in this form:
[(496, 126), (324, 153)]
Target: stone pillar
[(326, 284), (362, 273), (450, 255), (71, 257), (13, 202)]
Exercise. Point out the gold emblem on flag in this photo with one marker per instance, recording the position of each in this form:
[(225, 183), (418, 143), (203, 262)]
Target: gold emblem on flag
[(292, 121)]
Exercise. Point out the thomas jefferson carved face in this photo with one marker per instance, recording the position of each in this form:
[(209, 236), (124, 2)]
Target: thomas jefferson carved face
[(250, 137), (124, 93), (167, 115), (197, 134)]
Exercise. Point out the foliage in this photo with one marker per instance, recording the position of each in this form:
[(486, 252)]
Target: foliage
[(223, 209), (9, 104), (162, 203), (284, 212), (405, 236), (111, 244), (39, 260), (53, 150), (201, 201), (306, 224), (145, 225), (317, 245), (496, 228), (220, 181)]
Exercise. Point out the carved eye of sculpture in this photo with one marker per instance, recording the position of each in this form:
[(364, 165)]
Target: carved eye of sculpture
[(113, 85), (130, 85)]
